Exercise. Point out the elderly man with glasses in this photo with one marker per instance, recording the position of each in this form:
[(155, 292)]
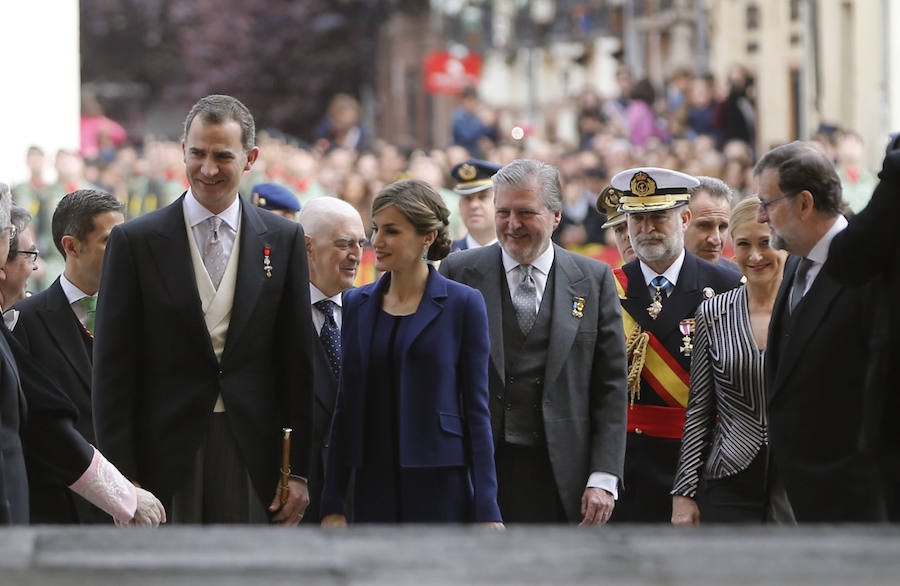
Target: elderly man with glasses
[(21, 262)]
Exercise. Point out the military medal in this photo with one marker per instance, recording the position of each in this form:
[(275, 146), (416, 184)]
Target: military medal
[(578, 307), (267, 264), (687, 328)]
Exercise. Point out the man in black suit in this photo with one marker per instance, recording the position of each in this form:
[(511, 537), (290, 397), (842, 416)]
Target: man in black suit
[(659, 293), (334, 241), (476, 202), (557, 377), (55, 327), (818, 351), (869, 251), (707, 232), (203, 340)]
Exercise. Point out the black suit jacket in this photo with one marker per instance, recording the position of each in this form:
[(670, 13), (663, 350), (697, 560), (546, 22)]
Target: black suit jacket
[(325, 386), (13, 480), (156, 377), (49, 331), (816, 364)]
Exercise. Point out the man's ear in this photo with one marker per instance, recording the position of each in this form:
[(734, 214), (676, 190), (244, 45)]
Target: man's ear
[(69, 244), (308, 239)]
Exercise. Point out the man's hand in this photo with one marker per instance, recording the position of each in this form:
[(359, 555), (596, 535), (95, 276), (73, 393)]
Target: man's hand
[(331, 521), (597, 506), (684, 511), (149, 511), (291, 513)]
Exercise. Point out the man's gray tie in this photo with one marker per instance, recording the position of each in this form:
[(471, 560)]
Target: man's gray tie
[(525, 300), (214, 255), (799, 286)]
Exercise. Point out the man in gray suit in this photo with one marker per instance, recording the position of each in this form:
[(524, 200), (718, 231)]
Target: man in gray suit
[(557, 377)]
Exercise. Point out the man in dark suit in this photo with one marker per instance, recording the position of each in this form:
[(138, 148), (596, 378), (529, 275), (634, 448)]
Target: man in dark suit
[(203, 340), (21, 262), (818, 352), (659, 292), (557, 377), (707, 232), (334, 241), (869, 251), (476, 202), (55, 327)]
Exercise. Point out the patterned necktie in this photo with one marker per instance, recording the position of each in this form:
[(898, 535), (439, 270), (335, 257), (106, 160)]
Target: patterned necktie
[(90, 306), (799, 286), (330, 335), (525, 300), (214, 256)]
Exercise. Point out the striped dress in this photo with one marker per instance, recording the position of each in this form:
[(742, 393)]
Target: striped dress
[(725, 426)]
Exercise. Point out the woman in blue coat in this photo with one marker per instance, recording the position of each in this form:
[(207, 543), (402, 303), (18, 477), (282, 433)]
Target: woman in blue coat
[(411, 419)]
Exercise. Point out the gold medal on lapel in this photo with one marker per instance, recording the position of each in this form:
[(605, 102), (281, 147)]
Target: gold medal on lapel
[(578, 307), (686, 326)]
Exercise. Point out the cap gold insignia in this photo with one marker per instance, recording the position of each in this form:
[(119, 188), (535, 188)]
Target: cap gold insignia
[(578, 307), (642, 184), (708, 292), (610, 197), (467, 172)]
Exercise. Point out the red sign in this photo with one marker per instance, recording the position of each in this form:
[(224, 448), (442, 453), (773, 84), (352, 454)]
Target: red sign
[(446, 74)]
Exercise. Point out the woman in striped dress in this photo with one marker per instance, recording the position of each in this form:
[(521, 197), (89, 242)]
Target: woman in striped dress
[(721, 468)]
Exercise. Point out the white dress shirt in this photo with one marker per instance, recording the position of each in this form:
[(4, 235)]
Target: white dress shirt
[(671, 274), (197, 216), (315, 295), (73, 296), (819, 253), (540, 270)]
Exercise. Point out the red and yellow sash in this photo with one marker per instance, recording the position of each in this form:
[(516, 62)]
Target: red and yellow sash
[(661, 370)]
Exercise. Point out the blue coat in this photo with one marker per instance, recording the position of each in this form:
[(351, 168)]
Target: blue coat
[(444, 419)]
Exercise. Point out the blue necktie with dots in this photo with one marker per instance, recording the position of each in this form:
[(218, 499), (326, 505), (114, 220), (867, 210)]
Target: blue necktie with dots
[(330, 335)]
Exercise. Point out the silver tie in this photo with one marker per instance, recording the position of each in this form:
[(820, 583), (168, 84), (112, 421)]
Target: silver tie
[(214, 255), (799, 286), (525, 300)]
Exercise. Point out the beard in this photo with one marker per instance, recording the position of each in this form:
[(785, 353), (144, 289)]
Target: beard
[(653, 249)]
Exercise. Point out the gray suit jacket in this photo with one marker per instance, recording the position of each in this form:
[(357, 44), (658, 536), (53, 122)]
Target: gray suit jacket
[(584, 397)]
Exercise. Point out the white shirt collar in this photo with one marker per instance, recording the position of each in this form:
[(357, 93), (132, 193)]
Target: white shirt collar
[(316, 295), (819, 252), (671, 273), (541, 263), (72, 292), (198, 214), (472, 243)]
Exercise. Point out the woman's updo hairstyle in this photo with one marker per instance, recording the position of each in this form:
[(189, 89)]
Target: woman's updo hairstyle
[(424, 209), (745, 211)]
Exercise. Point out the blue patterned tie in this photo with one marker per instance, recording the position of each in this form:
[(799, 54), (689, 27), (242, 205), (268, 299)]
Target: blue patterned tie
[(661, 283), (330, 335)]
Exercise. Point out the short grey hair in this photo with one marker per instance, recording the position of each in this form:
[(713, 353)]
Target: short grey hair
[(5, 205), (716, 188), (527, 173)]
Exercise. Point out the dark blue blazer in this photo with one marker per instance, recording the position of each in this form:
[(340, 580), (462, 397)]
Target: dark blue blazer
[(444, 420)]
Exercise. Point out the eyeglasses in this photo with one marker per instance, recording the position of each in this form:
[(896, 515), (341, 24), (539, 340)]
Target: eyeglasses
[(30, 253), (765, 204)]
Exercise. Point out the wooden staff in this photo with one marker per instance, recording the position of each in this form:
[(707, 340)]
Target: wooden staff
[(285, 463)]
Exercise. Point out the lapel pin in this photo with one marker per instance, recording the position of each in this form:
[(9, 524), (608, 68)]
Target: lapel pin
[(708, 292), (267, 263), (578, 307)]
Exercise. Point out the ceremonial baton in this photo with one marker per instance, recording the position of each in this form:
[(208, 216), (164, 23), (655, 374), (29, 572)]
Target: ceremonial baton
[(285, 463)]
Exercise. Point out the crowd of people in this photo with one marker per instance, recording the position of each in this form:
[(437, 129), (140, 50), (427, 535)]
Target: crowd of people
[(424, 336)]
